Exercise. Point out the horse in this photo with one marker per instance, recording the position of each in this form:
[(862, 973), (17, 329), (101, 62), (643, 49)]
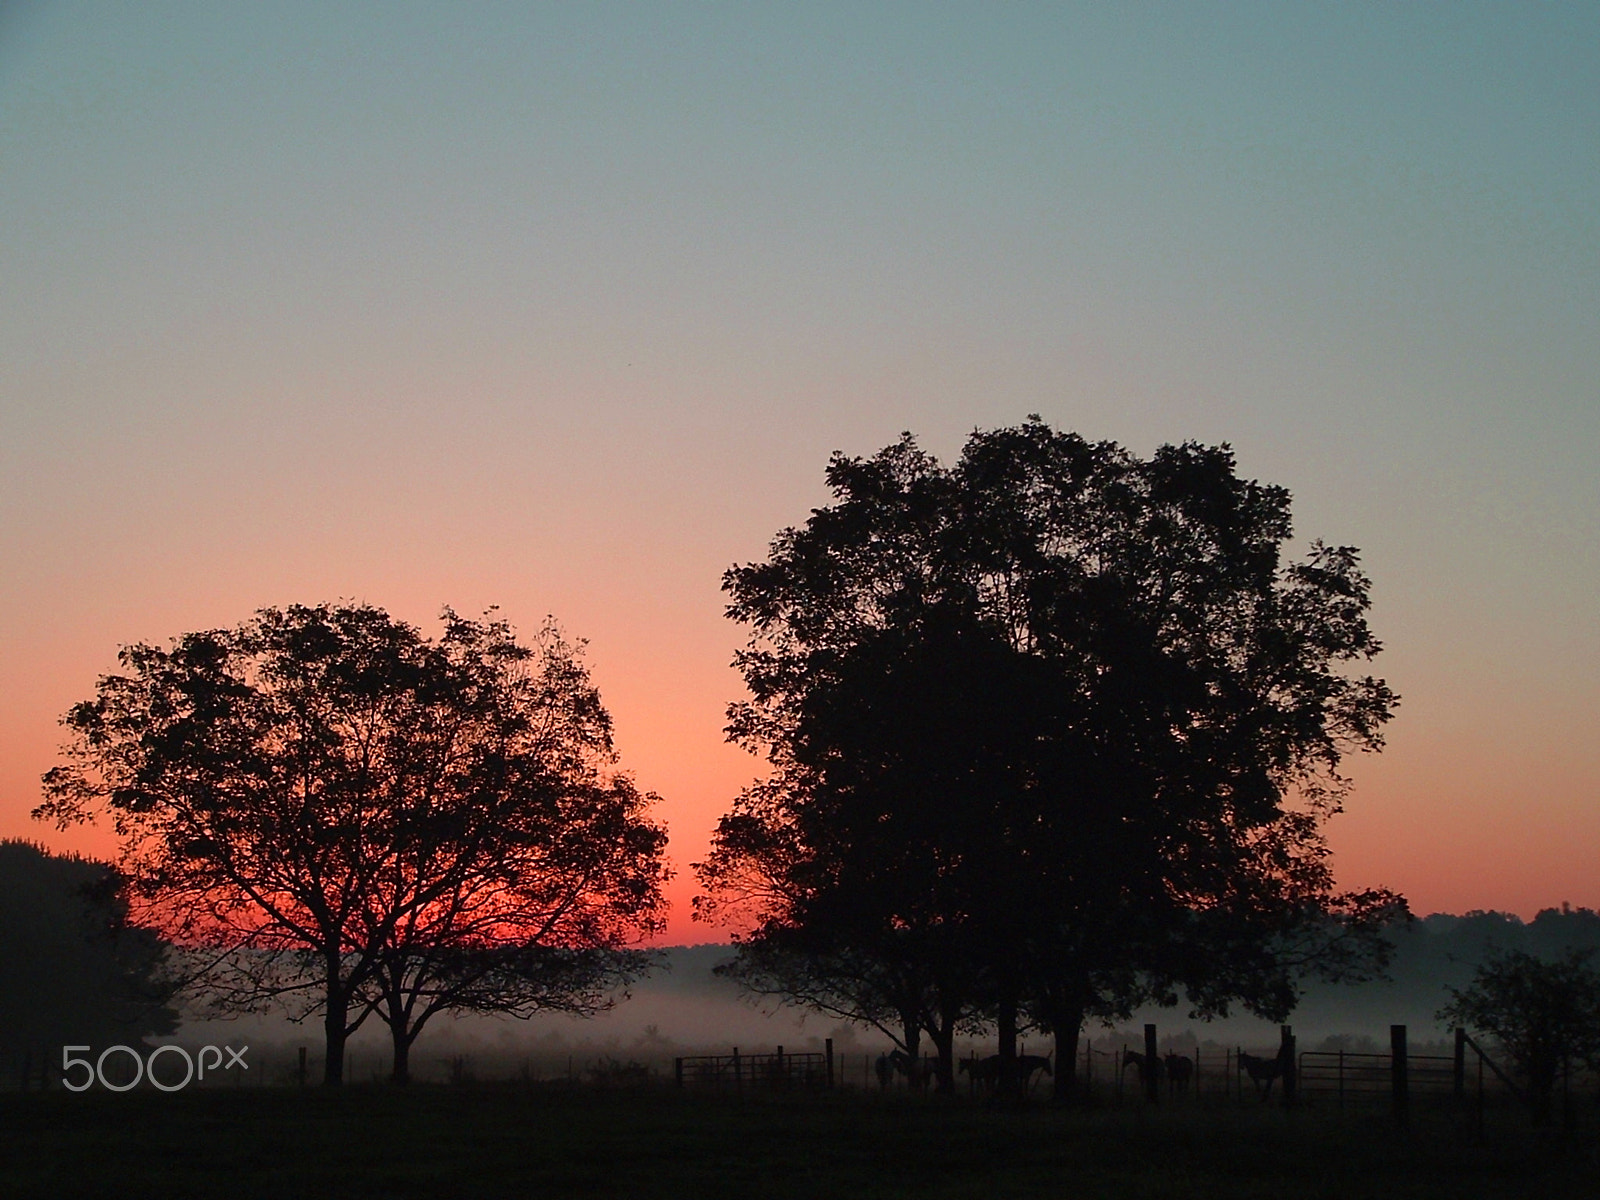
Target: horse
[(916, 1071), (1180, 1069), (1261, 1070), (985, 1071), (1028, 1065), (1147, 1069)]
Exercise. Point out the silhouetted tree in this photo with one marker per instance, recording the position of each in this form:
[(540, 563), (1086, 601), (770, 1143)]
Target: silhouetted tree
[(1068, 707), (875, 924), (323, 804), (73, 969), (902, 982), (543, 928), (1544, 1013)]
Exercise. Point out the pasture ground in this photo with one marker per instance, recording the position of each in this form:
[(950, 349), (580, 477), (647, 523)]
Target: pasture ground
[(487, 1142)]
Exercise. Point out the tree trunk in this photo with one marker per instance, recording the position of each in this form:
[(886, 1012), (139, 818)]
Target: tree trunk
[(1007, 1084), (1067, 1031), (401, 1075), (333, 1026), (335, 1020), (944, 1041), (913, 1032)]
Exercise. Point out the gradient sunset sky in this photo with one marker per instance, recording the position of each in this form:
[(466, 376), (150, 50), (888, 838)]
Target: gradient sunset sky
[(562, 308)]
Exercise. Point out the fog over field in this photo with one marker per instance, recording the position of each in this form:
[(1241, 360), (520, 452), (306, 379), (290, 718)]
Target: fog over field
[(684, 1008)]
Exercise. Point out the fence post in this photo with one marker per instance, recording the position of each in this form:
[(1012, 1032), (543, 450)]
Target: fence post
[(1152, 1086), (827, 1049), (1459, 1081), (738, 1083), (302, 1066), (1291, 1067), (677, 1070), (1480, 1094), (1567, 1119), (1398, 1078), (778, 1076), (1341, 1078)]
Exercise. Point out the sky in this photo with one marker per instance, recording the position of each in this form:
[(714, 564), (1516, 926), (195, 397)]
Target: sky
[(562, 308)]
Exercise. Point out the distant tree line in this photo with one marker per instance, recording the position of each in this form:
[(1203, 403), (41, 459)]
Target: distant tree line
[(73, 969), (1436, 953), (1444, 945)]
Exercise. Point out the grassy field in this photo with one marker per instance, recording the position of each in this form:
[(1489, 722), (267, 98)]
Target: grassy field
[(555, 1141)]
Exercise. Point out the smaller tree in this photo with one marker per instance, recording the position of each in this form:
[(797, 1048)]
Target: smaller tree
[(538, 922), (327, 809), (1544, 1013)]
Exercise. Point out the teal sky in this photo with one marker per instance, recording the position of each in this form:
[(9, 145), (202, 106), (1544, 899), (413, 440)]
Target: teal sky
[(563, 308)]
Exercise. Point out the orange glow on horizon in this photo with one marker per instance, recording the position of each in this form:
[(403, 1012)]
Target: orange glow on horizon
[(1428, 817)]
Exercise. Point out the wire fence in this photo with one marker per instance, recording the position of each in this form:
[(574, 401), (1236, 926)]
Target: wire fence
[(1470, 1083), (735, 1072)]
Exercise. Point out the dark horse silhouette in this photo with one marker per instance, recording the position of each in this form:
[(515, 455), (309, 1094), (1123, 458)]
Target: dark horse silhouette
[(1262, 1071), (917, 1072), (1180, 1069), (986, 1071), (1030, 1064), (1132, 1058)]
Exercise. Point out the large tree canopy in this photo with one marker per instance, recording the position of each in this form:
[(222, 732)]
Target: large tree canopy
[(1059, 710), (335, 807)]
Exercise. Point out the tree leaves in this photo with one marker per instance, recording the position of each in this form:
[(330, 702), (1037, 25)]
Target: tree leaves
[(362, 814), (1064, 708)]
